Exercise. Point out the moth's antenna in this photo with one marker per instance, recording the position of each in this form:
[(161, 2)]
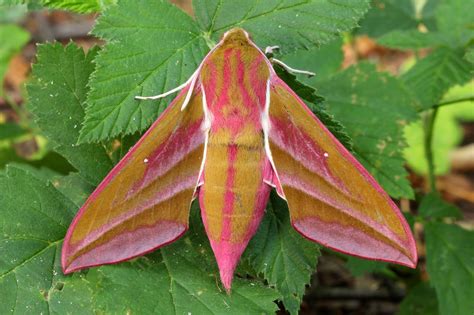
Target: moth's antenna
[(155, 97), (292, 70)]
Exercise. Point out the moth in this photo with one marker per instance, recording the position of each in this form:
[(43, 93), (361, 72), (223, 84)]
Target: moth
[(234, 132)]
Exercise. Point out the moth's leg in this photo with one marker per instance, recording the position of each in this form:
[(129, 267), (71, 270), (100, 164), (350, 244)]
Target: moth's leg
[(269, 53), (292, 70), (270, 49)]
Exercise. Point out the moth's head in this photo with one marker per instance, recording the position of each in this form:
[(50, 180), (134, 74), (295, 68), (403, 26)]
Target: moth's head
[(236, 35)]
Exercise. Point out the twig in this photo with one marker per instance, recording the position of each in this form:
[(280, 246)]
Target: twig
[(73, 30), (462, 159), (429, 124), (469, 98), (63, 31), (45, 31)]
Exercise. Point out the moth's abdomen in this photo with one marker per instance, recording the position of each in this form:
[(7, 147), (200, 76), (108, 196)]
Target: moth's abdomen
[(233, 195)]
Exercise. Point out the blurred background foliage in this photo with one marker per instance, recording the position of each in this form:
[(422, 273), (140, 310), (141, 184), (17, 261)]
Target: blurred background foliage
[(424, 49)]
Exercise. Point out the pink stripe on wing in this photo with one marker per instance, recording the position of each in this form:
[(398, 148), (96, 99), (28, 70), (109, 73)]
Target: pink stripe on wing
[(129, 245), (305, 150), (159, 197), (342, 238), (276, 81), (182, 142), (309, 190)]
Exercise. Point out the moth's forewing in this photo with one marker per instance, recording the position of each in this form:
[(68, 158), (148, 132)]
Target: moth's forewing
[(332, 199), (144, 202)]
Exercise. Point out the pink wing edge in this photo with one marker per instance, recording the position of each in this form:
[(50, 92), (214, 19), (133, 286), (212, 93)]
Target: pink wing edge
[(66, 248), (274, 81)]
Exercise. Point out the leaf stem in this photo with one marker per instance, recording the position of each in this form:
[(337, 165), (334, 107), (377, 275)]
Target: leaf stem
[(210, 43), (428, 142), (469, 98)]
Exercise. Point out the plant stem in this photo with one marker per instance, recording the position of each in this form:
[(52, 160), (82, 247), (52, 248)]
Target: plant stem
[(429, 124), (428, 139), (210, 43), (469, 98)]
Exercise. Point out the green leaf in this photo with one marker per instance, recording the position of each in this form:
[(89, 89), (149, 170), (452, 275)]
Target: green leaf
[(74, 187), (315, 103), (51, 160), (333, 125), (7, 155), (359, 267), (284, 257), (56, 99), (10, 131), (389, 15), (11, 13), (34, 220), (44, 174), (447, 133), (411, 219), (177, 279), (411, 39), (433, 206), (126, 143), (450, 264), (80, 6), (420, 300), (374, 108), (398, 21), (304, 91), (13, 39), (17, 2), (455, 19), (175, 282), (324, 61), (145, 55), (292, 24), (469, 56), (432, 76)]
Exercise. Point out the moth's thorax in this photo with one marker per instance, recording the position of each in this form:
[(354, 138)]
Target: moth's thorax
[(235, 35), (234, 77)]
